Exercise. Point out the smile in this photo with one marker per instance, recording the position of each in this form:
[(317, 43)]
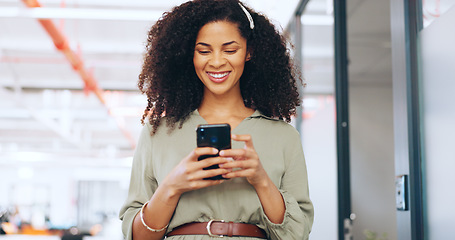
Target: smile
[(218, 77)]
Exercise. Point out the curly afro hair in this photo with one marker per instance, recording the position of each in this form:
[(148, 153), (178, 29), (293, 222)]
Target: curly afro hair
[(168, 77)]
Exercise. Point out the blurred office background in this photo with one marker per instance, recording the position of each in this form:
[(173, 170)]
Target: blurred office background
[(70, 112)]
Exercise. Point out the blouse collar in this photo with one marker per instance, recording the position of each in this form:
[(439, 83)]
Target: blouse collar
[(256, 114)]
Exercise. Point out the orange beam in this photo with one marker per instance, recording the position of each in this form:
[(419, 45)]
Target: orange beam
[(62, 44)]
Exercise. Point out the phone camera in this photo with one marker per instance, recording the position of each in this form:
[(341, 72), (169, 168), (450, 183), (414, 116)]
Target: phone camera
[(202, 133)]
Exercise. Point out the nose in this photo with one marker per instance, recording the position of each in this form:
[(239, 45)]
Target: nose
[(217, 60)]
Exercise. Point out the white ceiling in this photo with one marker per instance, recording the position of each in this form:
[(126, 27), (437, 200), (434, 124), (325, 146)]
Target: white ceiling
[(44, 108)]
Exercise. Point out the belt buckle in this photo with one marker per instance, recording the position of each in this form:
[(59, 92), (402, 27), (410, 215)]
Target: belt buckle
[(209, 225)]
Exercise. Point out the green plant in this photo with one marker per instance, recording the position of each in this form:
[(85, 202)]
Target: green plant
[(370, 235)]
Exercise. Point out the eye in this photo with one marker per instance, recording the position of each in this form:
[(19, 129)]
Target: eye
[(231, 51), (203, 52)]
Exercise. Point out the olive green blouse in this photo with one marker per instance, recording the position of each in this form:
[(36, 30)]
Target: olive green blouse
[(279, 148)]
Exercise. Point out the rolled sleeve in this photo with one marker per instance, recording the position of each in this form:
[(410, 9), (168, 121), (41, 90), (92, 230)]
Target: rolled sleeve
[(299, 214), (295, 225)]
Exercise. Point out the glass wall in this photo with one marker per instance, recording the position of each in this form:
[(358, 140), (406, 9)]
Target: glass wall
[(319, 145), (437, 53), (318, 115)]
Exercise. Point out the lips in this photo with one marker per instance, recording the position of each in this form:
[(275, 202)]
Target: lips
[(218, 77)]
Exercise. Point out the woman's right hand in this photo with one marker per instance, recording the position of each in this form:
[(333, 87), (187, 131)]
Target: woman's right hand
[(189, 174)]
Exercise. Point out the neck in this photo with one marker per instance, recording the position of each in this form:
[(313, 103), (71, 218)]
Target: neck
[(218, 109)]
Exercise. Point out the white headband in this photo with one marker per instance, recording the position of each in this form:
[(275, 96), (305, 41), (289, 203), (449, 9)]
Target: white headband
[(248, 15)]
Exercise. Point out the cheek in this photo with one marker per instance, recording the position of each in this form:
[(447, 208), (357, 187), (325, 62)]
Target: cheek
[(195, 62), (198, 63), (239, 63), (198, 67)]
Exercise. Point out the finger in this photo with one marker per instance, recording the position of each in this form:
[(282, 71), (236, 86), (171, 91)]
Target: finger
[(207, 162), (245, 164), (237, 154), (196, 153), (239, 173), (208, 173), (243, 138)]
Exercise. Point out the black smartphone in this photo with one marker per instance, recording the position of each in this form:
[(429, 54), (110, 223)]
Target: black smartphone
[(213, 135)]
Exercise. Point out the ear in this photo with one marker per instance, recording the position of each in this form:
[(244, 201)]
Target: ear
[(248, 56)]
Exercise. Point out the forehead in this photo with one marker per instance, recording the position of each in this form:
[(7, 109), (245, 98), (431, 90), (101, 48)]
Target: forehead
[(220, 32)]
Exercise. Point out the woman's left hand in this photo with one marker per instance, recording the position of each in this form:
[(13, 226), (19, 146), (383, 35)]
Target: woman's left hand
[(246, 162)]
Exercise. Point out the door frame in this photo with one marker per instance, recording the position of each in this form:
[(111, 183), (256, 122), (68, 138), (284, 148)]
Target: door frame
[(406, 22)]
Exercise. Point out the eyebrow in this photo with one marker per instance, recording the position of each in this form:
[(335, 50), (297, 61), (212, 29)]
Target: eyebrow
[(208, 45)]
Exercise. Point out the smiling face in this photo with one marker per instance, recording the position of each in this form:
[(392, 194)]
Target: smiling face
[(219, 58)]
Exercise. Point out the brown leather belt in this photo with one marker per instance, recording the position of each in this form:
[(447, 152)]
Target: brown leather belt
[(219, 228)]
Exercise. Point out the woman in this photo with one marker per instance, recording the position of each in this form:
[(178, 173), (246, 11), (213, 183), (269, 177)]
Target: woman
[(216, 61)]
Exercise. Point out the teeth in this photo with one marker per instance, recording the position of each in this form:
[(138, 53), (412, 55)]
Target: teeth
[(218, 75)]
